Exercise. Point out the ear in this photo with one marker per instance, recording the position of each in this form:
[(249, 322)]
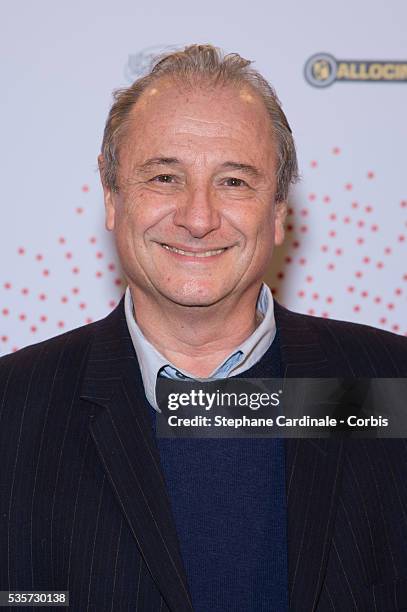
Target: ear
[(279, 220), (108, 196)]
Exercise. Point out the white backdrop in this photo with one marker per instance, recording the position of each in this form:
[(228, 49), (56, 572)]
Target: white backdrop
[(345, 253)]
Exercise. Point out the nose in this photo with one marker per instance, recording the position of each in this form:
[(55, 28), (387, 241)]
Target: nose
[(198, 213)]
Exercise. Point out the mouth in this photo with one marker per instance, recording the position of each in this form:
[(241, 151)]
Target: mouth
[(197, 254)]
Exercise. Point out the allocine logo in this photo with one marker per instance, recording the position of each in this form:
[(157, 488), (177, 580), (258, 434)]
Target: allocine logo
[(322, 69)]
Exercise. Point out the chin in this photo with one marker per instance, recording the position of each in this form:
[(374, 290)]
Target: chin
[(194, 295), (192, 300)]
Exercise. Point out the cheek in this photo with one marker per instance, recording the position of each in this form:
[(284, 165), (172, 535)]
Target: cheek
[(264, 236), (132, 216), (256, 222), (128, 228), (143, 211)]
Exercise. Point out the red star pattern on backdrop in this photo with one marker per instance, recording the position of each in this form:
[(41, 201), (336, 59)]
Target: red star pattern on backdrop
[(64, 311), (354, 252)]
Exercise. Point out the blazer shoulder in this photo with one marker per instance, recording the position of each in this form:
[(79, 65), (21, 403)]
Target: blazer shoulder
[(66, 350), (360, 331), (323, 325), (366, 350)]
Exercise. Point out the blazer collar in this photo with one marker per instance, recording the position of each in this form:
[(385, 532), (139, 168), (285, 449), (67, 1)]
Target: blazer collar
[(121, 429)]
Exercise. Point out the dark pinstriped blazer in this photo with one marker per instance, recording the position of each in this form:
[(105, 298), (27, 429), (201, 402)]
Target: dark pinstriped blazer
[(83, 505)]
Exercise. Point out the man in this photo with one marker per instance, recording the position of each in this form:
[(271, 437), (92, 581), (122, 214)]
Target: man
[(196, 163)]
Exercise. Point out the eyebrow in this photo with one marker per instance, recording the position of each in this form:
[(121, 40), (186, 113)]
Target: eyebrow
[(159, 161), (247, 168), (228, 165)]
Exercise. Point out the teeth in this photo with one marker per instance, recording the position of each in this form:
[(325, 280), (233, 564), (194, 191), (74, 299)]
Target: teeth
[(190, 253)]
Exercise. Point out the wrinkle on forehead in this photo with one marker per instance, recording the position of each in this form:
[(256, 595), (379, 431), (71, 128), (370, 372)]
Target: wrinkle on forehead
[(207, 128)]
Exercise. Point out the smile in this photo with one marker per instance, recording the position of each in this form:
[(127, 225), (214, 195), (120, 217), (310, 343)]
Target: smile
[(193, 253)]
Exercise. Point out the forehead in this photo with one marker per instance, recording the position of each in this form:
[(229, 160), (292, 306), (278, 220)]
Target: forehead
[(169, 114)]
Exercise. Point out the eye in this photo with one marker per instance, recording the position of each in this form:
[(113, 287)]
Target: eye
[(163, 178), (235, 182)]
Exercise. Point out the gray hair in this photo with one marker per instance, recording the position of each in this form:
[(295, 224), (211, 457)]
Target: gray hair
[(195, 65)]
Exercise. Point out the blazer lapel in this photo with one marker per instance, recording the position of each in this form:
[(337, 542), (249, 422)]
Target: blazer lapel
[(121, 428), (313, 467)]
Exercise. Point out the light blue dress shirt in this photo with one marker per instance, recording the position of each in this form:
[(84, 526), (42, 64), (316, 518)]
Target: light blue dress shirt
[(153, 363)]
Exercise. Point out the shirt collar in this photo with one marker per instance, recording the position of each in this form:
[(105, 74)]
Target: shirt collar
[(242, 358)]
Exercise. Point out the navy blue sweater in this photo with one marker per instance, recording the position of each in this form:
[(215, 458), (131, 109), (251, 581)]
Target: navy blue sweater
[(229, 505)]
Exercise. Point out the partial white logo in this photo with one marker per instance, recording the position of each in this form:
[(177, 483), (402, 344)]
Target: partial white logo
[(140, 63)]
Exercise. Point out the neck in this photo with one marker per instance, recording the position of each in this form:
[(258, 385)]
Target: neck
[(196, 339)]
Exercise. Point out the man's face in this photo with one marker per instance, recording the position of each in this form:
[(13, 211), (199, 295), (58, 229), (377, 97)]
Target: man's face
[(194, 217)]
